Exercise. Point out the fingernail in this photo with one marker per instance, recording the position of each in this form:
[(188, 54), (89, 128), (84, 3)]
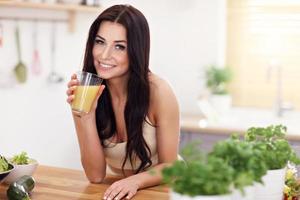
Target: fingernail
[(104, 197), (108, 198)]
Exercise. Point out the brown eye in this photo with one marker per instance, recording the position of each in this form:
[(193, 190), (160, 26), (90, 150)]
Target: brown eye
[(120, 47), (98, 41)]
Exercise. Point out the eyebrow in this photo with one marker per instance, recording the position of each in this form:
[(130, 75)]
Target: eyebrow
[(117, 41)]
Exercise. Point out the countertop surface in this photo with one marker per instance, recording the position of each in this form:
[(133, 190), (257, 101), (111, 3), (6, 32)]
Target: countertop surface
[(68, 184), (238, 120)]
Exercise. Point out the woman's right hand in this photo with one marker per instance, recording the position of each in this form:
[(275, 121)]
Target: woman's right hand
[(73, 83)]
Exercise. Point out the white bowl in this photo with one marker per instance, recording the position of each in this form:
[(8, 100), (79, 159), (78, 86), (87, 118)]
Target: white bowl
[(21, 170)]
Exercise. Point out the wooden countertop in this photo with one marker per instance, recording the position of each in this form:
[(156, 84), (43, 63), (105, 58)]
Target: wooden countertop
[(54, 183), (192, 123)]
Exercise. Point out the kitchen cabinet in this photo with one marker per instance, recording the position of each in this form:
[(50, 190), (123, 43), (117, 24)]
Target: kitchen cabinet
[(71, 9), (192, 130), (207, 140)]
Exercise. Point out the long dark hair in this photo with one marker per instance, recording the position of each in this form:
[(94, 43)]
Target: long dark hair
[(138, 92)]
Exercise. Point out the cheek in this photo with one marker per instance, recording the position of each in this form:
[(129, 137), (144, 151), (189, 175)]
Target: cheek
[(97, 50), (124, 60), (125, 64), (94, 51), (94, 57)]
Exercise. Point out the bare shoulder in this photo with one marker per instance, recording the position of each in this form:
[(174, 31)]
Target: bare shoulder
[(162, 96), (159, 87)]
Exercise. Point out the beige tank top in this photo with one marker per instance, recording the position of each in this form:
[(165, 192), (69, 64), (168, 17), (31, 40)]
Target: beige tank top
[(115, 152)]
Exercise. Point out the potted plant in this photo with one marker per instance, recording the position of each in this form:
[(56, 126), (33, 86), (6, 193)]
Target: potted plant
[(276, 152), (217, 79), (23, 166), (247, 162), (199, 177)]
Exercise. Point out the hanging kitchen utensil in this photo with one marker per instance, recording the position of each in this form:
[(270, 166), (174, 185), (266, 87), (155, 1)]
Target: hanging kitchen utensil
[(53, 77), (36, 62), (20, 69)]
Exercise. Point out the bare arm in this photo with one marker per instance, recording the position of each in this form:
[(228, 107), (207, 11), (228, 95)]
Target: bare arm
[(166, 114), (91, 151)]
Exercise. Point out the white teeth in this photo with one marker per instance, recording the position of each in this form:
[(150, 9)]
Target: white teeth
[(105, 65)]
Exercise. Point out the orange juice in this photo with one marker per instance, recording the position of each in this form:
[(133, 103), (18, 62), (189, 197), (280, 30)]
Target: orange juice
[(84, 98)]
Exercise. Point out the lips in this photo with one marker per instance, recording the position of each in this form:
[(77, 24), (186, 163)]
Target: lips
[(106, 65)]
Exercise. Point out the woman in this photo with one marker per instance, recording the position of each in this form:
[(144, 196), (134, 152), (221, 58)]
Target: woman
[(134, 126)]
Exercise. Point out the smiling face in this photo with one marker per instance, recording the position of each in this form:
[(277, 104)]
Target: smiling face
[(110, 51)]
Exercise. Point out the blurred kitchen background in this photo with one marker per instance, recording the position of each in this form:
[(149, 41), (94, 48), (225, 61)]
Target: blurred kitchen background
[(192, 42)]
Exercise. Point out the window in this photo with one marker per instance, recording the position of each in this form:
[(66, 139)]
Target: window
[(263, 39)]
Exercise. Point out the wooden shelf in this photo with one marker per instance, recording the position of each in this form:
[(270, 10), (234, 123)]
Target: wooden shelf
[(48, 6), (70, 8)]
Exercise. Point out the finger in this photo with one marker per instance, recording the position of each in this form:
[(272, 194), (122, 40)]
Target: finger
[(73, 82), (70, 99), (108, 191), (102, 87), (121, 194), (113, 193), (100, 91), (74, 76), (130, 195), (71, 90)]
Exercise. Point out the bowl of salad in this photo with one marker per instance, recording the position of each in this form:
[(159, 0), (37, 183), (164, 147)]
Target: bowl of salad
[(5, 168), (23, 166)]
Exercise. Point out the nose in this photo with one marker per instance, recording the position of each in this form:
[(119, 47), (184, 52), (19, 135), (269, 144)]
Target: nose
[(106, 53)]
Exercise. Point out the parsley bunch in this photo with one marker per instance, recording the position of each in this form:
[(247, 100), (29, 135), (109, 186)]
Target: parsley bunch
[(201, 176), (272, 143), (243, 158), (232, 162)]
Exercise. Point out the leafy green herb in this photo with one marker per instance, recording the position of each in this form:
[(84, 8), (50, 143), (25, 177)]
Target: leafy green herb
[(217, 79), (272, 143), (210, 176), (21, 159), (246, 161), (232, 162), (3, 164), (191, 152)]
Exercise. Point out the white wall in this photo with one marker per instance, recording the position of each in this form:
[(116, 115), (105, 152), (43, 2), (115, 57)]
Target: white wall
[(185, 36)]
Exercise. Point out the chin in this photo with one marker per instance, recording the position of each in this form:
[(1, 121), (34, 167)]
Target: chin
[(103, 75)]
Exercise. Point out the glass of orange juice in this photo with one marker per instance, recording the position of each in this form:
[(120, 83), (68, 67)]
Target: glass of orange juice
[(86, 92)]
